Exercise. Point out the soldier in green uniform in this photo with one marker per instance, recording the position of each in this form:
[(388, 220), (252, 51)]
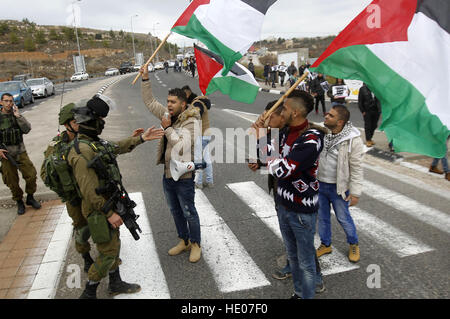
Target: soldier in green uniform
[(103, 226), (12, 126)]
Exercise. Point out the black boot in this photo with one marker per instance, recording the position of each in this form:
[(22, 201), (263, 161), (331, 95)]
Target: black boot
[(90, 292), (88, 261), (117, 286), (20, 207), (32, 202)]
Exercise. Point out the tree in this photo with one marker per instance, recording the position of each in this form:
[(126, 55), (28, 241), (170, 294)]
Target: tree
[(121, 34), (29, 44), (40, 37), (13, 38), (53, 35), (112, 34), (69, 33), (4, 28), (105, 44)]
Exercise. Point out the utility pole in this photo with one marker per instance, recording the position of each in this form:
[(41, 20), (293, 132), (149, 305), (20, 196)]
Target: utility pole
[(76, 32), (132, 37)]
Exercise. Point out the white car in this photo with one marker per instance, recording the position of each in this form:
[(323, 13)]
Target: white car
[(112, 71), (171, 64), (41, 87), (151, 67), (159, 66), (79, 76), (137, 67)]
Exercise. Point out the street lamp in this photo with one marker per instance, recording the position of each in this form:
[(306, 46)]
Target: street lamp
[(156, 44), (75, 24), (132, 37)]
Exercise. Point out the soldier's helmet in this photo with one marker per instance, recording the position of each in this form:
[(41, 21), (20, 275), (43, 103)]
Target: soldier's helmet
[(66, 113), (97, 107)]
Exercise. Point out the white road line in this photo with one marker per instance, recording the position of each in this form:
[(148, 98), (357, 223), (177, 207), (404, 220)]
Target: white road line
[(408, 180), (263, 206), (231, 265), (47, 278), (386, 235), (409, 206), (140, 261)]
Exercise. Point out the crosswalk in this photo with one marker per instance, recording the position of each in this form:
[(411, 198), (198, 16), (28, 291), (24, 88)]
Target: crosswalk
[(233, 267)]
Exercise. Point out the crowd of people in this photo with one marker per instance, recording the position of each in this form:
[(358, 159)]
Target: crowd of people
[(316, 169)]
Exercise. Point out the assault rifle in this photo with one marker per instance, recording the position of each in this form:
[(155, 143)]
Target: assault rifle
[(118, 199), (9, 157)]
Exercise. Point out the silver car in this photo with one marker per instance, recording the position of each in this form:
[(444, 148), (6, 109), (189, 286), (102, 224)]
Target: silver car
[(112, 71), (41, 87)]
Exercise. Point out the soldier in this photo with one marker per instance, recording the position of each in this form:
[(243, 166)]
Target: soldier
[(12, 149), (103, 226)]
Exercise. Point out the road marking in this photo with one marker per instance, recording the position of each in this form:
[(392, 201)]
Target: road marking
[(388, 236), (47, 278), (408, 180), (263, 206), (409, 206), (140, 261), (231, 265)]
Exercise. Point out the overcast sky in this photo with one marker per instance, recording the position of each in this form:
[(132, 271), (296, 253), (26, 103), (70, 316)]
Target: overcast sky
[(286, 18)]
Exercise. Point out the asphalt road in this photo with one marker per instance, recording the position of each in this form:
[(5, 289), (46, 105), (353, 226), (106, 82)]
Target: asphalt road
[(402, 223)]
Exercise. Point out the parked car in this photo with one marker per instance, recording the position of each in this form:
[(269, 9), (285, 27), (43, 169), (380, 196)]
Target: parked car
[(136, 67), (20, 91), (126, 67), (21, 77), (79, 76), (41, 87), (112, 71), (171, 64), (159, 66), (151, 67)]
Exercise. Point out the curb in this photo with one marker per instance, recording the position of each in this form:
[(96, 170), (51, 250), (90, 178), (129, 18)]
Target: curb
[(104, 87), (385, 155)]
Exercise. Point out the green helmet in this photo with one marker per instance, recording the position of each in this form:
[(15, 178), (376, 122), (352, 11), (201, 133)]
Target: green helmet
[(66, 113)]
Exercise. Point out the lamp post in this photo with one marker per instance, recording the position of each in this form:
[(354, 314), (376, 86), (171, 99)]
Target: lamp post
[(75, 25), (156, 44), (132, 37)]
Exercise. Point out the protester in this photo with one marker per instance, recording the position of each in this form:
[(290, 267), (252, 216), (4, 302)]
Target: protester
[(340, 179), (103, 220), (12, 127), (293, 77), (370, 108), (297, 188), (166, 66), (266, 73), (181, 130), (251, 67), (192, 66), (273, 74), (282, 72), (435, 162), (318, 92), (291, 69), (335, 99), (202, 153)]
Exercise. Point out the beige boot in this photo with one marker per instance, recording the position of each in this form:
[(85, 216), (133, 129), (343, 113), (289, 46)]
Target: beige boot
[(179, 248), (353, 253), (196, 253), (434, 169)]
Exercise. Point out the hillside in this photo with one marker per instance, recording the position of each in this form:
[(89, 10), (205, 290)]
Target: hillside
[(47, 50)]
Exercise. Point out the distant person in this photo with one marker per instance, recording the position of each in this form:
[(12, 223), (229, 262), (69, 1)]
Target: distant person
[(370, 108), (336, 99), (273, 74), (192, 67), (166, 66), (435, 162), (291, 69), (293, 77), (318, 92), (301, 70), (251, 67), (282, 72), (266, 73), (13, 126), (340, 178)]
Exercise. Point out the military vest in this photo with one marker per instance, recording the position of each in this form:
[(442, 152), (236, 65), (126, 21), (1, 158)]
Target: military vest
[(10, 132), (56, 172)]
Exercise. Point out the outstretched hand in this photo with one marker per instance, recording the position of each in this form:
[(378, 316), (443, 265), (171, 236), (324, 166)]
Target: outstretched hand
[(137, 132), (152, 134)]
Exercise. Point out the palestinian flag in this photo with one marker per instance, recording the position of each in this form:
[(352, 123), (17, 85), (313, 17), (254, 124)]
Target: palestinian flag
[(239, 83), (401, 49), (226, 27)]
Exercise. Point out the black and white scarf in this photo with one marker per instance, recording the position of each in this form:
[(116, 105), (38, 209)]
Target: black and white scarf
[(332, 140)]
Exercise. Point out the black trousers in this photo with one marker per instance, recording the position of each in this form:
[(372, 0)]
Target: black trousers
[(321, 99), (370, 124)]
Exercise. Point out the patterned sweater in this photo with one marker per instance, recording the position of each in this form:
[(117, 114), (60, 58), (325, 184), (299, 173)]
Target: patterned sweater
[(295, 168)]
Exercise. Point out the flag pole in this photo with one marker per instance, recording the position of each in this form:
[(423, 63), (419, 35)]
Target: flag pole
[(292, 88), (153, 55)]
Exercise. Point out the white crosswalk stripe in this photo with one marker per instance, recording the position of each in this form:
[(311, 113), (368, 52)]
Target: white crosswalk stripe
[(233, 268)]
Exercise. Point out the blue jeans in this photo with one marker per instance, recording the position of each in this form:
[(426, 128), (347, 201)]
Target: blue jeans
[(298, 235), (206, 158), (328, 195), (180, 198), (444, 163)]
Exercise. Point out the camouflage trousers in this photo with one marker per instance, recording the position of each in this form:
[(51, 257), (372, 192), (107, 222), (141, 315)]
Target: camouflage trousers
[(108, 258), (10, 175), (80, 227)]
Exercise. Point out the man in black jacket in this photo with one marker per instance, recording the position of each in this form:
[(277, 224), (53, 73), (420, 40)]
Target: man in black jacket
[(318, 92), (370, 108)]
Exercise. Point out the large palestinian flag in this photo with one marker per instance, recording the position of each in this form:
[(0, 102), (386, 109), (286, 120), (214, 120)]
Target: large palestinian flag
[(226, 27), (401, 49), (239, 83)]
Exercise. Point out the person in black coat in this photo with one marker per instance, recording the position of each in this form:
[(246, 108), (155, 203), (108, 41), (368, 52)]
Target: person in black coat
[(318, 92), (370, 108)]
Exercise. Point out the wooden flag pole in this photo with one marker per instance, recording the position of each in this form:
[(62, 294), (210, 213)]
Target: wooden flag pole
[(153, 55), (292, 88)]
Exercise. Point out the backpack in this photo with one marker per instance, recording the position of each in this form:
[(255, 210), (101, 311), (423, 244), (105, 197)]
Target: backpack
[(56, 172)]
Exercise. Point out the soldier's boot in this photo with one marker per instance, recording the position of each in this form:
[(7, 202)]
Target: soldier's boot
[(435, 169), (118, 286), (32, 202), (88, 261), (20, 207), (90, 291)]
